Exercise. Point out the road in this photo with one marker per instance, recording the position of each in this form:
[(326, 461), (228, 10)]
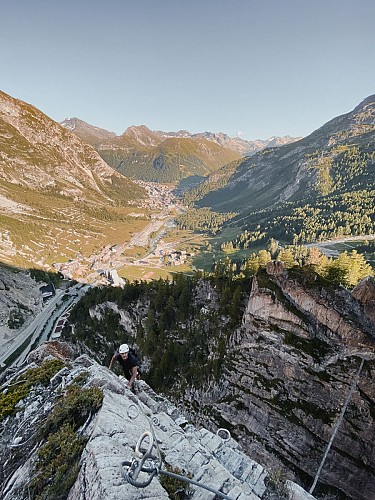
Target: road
[(41, 326), (325, 246)]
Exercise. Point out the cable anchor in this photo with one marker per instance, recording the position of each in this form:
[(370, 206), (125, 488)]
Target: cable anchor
[(138, 461)]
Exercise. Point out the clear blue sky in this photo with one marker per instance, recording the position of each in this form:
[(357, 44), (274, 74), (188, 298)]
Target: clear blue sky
[(253, 67)]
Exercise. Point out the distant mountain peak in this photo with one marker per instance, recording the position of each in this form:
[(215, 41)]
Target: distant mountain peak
[(137, 128), (160, 156), (88, 133), (143, 135)]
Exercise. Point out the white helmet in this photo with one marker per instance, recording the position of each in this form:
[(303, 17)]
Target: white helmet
[(123, 348)]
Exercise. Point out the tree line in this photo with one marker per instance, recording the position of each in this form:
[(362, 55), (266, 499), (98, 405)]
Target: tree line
[(347, 269), (180, 325)]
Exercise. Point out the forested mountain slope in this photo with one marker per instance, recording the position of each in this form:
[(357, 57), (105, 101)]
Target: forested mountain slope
[(321, 186), (142, 154)]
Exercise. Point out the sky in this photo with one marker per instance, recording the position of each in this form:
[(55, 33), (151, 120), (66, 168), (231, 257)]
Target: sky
[(248, 68)]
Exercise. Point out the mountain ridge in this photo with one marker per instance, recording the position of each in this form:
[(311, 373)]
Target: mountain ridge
[(101, 432), (169, 156), (86, 132), (53, 155), (54, 189), (237, 144), (296, 173)]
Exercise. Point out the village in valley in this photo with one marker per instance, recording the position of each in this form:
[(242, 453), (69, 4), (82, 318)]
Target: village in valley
[(148, 246)]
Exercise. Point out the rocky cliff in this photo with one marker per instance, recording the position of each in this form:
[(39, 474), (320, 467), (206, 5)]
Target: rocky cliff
[(288, 373), (273, 363), (37, 458)]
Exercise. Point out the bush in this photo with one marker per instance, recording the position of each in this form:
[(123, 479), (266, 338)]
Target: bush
[(44, 373), (57, 465), (177, 488), (21, 388), (9, 400), (73, 408)]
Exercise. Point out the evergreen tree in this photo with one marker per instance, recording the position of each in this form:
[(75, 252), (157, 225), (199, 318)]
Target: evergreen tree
[(286, 256), (264, 257), (349, 268)]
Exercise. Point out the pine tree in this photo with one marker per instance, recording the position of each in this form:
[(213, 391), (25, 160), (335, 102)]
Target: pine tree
[(286, 256)]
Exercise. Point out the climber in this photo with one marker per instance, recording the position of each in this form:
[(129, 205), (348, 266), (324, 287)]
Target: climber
[(128, 362)]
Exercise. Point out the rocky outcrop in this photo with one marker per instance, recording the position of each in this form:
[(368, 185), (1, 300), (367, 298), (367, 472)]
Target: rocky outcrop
[(213, 460), (287, 374), (263, 304), (331, 314), (364, 292)]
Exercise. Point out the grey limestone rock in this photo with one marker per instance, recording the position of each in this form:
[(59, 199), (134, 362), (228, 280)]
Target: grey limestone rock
[(288, 371), (212, 460)]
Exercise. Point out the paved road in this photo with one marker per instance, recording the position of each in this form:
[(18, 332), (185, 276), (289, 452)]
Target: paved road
[(44, 320), (328, 246)]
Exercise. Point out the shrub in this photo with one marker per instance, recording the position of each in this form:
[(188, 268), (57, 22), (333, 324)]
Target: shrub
[(74, 408), (44, 373), (57, 465), (21, 388), (177, 488), (9, 399)]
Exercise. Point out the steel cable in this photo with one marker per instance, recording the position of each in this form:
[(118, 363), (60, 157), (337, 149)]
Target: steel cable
[(154, 471)]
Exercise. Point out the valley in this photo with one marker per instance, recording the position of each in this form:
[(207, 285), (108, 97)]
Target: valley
[(187, 250), (151, 252), (277, 326), (73, 210)]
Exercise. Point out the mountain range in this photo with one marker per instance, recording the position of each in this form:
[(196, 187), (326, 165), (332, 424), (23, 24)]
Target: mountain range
[(158, 156), (59, 197)]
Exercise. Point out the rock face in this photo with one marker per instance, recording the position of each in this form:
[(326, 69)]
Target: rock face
[(364, 292), (213, 460), (287, 375)]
